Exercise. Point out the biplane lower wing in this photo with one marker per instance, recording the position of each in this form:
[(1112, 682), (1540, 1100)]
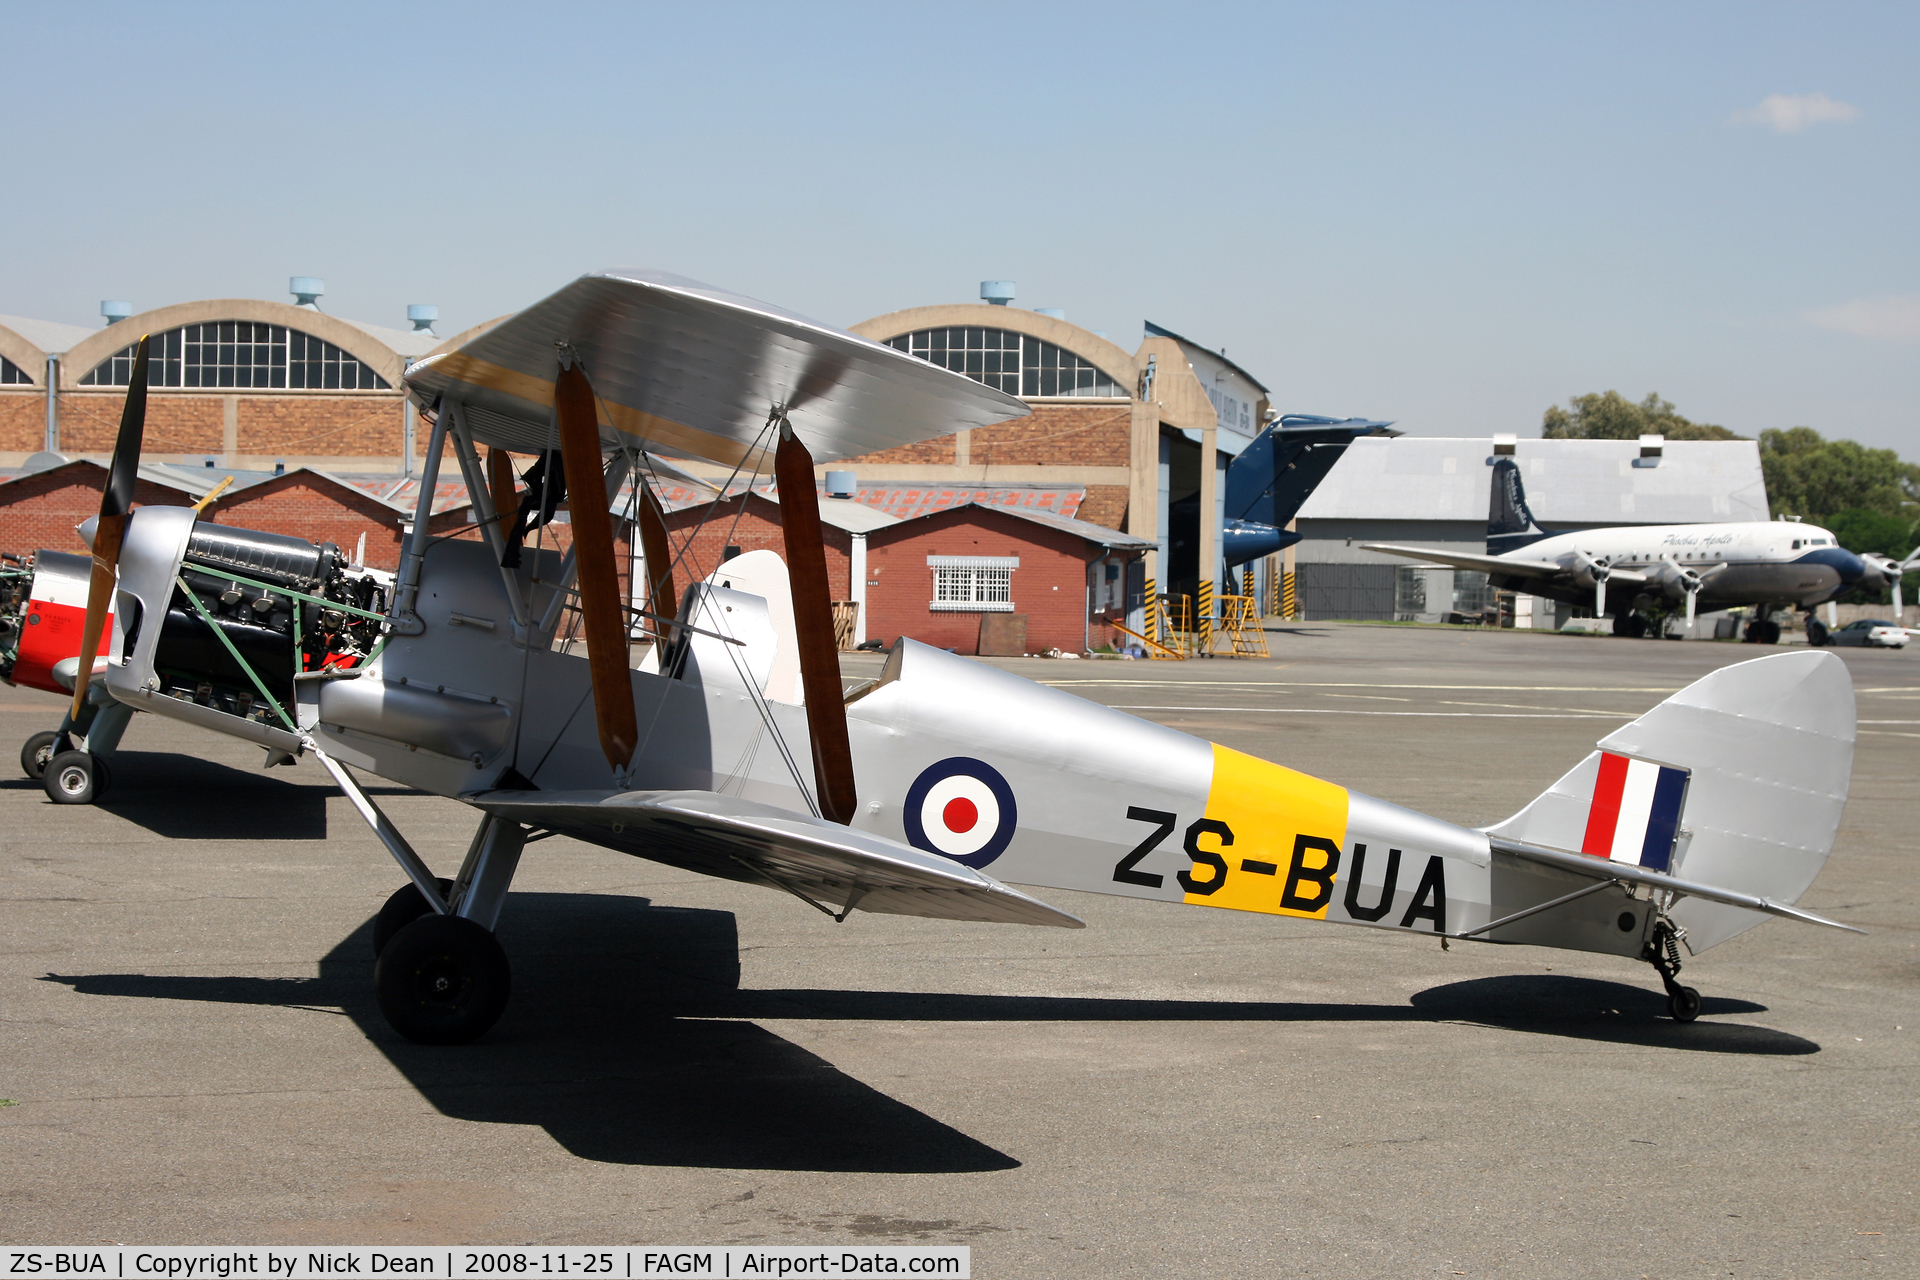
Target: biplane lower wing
[(835, 868)]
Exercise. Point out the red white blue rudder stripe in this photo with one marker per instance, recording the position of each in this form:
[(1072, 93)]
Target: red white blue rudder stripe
[(1636, 812)]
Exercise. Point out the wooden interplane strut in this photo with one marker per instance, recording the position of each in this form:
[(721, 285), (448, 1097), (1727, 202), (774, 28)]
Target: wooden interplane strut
[(603, 620), (813, 627), (656, 551)]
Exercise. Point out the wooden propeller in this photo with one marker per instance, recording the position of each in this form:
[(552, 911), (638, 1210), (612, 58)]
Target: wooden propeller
[(116, 500)]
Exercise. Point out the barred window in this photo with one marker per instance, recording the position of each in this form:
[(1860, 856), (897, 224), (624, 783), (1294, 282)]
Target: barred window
[(1006, 361), (240, 354), (12, 375), (973, 584)]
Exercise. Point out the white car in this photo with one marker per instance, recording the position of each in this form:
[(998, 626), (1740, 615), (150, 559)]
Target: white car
[(1874, 634)]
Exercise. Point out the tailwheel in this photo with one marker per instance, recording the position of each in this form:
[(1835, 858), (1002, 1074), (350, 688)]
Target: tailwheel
[(76, 777), (442, 980), (1683, 1003), (405, 906), (1663, 953), (35, 753)]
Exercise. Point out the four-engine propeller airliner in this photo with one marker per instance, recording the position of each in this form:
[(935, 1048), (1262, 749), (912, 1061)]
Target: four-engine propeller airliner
[(1770, 565), (929, 792)]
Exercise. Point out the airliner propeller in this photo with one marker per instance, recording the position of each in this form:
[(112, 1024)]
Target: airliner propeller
[(1678, 579), (1593, 570), (116, 500)]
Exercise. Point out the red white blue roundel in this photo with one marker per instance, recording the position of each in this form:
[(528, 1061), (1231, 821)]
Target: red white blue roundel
[(963, 809)]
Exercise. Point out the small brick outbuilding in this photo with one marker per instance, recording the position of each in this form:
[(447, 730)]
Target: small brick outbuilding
[(936, 576)]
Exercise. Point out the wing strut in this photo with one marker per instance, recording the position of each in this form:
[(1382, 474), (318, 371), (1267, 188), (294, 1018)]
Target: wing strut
[(116, 500), (813, 628), (603, 619), (654, 550)]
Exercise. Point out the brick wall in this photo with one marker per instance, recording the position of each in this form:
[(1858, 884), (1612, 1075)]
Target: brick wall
[(23, 420), (41, 510), (306, 506), (1104, 505), (1065, 435), (936, 452), (90, 423), (758, 529), (1049, 586), (353, 426)]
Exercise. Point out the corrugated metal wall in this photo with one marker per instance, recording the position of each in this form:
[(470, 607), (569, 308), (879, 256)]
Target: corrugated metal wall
[(1358, 591)]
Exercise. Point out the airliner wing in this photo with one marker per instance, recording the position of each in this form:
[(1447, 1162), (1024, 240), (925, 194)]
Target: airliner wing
[(1508, 565)]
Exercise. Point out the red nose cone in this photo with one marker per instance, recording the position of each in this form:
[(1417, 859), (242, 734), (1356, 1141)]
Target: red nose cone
[(960, 815)]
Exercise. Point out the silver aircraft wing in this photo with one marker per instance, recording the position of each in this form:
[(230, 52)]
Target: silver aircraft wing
[(685, 369), (835, 868), (1495, 564)]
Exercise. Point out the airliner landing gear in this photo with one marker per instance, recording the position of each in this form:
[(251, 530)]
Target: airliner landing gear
[(1817, 634), (1629, 625), (1663, 953), (1763, 629)]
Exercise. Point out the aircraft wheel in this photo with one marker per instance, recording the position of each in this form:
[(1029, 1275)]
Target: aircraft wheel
[(1816, 632), (1684, 1004), (442, 980), (38, 750), (402, 909), (73, 777)]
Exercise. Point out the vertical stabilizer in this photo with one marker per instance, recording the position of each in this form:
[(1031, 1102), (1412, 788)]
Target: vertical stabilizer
[(1510, 525)]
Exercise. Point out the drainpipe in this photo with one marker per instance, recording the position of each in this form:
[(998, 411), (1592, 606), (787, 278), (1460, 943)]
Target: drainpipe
[(53, 401), (857, 562)]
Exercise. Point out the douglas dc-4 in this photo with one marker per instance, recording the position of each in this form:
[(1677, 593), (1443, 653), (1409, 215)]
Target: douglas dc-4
[(729, 747), (1768, 565)]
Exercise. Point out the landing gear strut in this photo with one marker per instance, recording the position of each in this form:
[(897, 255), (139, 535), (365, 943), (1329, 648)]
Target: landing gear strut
[(1663, 953), (1763, 629), (1629, 625)]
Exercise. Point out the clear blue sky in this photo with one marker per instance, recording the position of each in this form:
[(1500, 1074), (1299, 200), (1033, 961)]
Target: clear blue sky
[(1448, 215)]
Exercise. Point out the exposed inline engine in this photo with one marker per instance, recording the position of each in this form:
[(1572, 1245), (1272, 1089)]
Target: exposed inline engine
[(282, 604)]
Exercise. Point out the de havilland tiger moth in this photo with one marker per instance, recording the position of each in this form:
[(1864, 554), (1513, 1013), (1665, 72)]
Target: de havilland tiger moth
[(731, 749)]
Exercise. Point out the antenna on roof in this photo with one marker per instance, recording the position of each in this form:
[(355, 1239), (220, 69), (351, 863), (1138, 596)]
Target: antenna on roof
[(306, 291), (422, 316), (115, 312)]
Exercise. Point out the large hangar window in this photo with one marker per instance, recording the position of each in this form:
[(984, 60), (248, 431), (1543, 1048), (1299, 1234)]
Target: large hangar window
[(12, 375), (1008, 361), (238, 353)]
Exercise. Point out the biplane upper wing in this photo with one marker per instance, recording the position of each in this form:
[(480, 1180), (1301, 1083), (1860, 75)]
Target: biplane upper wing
[(829, 865), (689, 370)]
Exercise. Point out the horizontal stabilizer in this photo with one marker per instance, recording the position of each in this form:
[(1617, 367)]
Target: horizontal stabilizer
[(833, 867), (1607, 869)]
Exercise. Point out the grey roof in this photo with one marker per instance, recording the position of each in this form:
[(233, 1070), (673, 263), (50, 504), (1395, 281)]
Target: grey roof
[(1154, 330), (406, 342), (1587, 482), (48, 335), (1098, 534)]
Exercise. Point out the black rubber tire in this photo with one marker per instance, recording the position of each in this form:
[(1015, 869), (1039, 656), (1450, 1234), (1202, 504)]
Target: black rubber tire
[(442, 980), (71, 778), (402, 909), (1816, 632), (1684, 1004), (1623, 625), (35, 753), (102, 778)]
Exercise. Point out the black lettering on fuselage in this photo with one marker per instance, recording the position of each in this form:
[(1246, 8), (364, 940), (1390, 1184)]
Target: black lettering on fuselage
[(1206, 857), (1123, 871), (1430, 899), (1380, 908), (1320, 877)]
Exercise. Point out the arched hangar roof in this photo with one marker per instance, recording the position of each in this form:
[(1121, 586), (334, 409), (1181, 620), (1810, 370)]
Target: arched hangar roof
[(82, 358), (25, 356), (1089, 346)]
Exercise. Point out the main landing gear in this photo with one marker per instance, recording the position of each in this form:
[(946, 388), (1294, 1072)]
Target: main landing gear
[(439, 974), (1629, 625), (1763, 629), (79, 775), (1663, 953)]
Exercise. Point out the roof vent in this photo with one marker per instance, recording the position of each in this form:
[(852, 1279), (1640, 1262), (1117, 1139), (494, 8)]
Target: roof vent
[(115, 312), (997, 292), (1058, 313), (841, 484), (422, 316), (1504, 443), (1651, 446), (306, 291)]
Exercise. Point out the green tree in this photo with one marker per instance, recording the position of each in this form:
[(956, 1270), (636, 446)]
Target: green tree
[(1815, 478), (1861, 531), (1608, 415)]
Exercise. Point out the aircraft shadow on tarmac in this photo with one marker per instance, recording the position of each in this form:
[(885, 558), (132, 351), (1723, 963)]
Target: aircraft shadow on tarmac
[(183, 798), (630, 1041)]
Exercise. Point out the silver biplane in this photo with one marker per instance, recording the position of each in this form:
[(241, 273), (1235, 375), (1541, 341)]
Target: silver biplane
[(730, 747)]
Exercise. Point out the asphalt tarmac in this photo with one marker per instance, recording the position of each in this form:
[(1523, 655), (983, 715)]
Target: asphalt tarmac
[(191, 1053)]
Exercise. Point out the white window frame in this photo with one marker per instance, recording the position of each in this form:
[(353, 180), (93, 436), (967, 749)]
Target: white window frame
[(972, 584)]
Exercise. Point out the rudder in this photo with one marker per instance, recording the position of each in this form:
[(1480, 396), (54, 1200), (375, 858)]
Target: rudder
[(1510, 524)]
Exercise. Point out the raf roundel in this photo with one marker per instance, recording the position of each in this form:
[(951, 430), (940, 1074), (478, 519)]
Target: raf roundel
[(961, 808)]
